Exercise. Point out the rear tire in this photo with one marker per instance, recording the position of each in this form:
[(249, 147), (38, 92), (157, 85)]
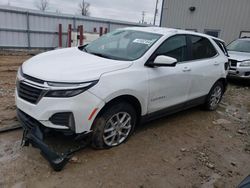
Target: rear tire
[(113, 126), (214, 97)]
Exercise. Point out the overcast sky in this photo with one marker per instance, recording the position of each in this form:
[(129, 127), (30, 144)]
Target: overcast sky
[(127, 10)]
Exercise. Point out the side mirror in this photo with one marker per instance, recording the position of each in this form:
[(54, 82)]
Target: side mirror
[(164, 61)]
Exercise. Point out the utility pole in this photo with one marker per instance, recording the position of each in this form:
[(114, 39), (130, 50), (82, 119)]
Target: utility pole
[(156, 10), (143, 16)]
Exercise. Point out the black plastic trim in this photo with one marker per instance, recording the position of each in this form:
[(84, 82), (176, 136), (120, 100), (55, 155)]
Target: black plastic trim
[(63, 119), (31, 78), (173, 109), (34, 134)]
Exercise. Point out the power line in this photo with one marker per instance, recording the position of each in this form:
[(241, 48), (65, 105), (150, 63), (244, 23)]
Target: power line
[(156, 10)]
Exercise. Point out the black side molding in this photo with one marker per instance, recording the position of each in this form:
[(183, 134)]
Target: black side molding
[(173, 109)]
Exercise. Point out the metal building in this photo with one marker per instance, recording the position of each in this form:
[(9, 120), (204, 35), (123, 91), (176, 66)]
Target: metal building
[(33, 29), (226, 19)]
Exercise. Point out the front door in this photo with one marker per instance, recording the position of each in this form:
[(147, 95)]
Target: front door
[(169, 86)]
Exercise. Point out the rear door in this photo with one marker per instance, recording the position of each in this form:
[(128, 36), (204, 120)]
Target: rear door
[(205, 66)]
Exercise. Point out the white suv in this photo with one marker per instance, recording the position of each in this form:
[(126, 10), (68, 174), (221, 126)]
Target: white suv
[(127, 76)]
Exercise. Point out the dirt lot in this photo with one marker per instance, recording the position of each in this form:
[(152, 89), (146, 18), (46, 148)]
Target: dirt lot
[(193, 148)]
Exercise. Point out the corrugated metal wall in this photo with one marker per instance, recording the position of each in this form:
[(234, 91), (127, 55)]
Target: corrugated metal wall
[(230, 17), (20, 28)]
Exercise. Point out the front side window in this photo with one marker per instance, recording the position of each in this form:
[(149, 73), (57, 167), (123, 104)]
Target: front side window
[(202, 48), (239, 46), (122, 44), (175, 47)]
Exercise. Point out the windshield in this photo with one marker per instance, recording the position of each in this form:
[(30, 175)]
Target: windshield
[(122, 44), (239, 46)]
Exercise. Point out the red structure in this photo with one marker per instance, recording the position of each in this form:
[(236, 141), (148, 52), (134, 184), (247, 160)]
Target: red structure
[(81, 35), (106, 30), (101, 31), (69, 35)]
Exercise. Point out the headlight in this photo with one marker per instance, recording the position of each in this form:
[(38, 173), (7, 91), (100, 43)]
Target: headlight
[(245, 63), (68, 89), (64, 93)]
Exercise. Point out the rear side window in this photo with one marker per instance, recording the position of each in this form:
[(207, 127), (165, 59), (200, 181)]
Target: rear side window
[(175, 47), (202, 48)]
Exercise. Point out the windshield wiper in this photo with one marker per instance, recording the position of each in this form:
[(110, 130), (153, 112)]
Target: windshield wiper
[(97, 54), (83, 48), (102, 55)]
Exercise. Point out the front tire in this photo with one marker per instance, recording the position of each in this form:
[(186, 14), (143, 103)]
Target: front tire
[(214, 97), (113, 126)]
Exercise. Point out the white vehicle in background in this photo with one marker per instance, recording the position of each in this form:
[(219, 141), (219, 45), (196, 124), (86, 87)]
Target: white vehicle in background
[(239, 52), (107, 87)]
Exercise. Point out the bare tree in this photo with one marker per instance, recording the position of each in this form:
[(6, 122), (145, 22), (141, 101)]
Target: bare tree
[(84, 8), (42, 5)]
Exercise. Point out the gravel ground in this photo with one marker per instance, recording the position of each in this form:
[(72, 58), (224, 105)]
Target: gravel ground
[(193, 148)]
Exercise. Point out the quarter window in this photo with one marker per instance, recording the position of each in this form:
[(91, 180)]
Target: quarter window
[(222, 46), (201, 48), (175, 47)]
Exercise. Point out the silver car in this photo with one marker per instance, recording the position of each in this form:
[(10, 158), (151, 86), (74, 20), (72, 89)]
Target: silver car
[(239, 58)]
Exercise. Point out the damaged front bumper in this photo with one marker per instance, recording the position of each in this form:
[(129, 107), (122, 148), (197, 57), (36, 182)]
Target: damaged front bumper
[(34, 134)]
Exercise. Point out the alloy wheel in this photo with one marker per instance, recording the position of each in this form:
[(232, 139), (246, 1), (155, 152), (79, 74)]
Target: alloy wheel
[(215, 96), (117, 129)]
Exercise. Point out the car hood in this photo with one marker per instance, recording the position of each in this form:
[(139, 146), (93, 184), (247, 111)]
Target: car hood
[(70, 65), (239, 56)]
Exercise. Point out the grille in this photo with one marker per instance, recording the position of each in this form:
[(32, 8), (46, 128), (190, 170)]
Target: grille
[(233, 63), (29, 93)]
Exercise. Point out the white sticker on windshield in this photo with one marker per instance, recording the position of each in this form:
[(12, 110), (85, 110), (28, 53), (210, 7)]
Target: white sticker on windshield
[(144, 41)]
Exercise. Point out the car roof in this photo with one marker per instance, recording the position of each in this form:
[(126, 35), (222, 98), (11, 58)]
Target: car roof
[(169, 31)]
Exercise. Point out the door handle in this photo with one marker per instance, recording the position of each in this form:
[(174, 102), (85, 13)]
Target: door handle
[(186, 69), (216, 63)]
